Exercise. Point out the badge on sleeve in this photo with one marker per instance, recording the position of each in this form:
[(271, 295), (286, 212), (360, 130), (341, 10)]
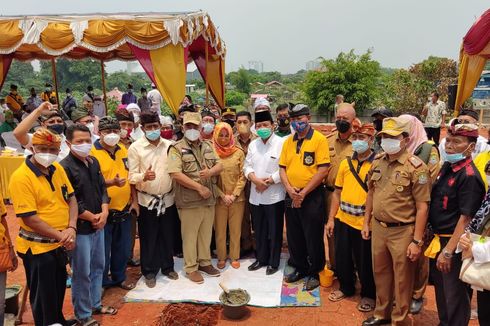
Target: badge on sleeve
[(433, 159), (423, 178)]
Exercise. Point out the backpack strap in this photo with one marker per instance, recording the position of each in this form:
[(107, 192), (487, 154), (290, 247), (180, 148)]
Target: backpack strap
[(363, 184)]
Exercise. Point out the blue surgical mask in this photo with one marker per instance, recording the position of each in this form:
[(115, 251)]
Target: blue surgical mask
[(299, 126), (152, 134), (454, 158), (360, 146)]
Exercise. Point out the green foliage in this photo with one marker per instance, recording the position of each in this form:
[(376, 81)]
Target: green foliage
[(241, 80), (121, 79), (23, 75), (234, 98), (355, 76)]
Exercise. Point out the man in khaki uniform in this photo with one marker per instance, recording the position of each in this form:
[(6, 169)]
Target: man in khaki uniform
[(340, 147), (193, 166), (397, 204)]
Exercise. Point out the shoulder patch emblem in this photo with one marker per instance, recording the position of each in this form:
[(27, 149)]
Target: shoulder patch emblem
[(423, 178), (415, 161), (433, 159)]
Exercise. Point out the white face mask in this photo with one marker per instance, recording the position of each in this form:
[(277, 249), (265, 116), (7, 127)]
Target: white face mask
[(192, 134), (90, 127), (111, 139), (45, 159), (81, 150), (207, 128), (124, 133), (390, 146)]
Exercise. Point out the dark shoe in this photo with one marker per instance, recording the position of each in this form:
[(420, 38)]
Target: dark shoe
[(134, 262), (416, 306), (270, 270), (209, 270), (150, 281), (372, 321), (311, 283), (293, 277), (70, 322), (172, 275), (255, 266), (179, 255)]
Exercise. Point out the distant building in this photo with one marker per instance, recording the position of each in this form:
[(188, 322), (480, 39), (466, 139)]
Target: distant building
[(193, 75), (189, 88), (313, 64), (256, 65)]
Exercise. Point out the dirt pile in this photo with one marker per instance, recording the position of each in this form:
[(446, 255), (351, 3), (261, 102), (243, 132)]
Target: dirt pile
[(188, 314)]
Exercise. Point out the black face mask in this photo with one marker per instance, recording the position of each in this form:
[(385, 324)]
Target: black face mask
[(230, 122), (59, 129), (342, 126), (378, 125), (283, 122)]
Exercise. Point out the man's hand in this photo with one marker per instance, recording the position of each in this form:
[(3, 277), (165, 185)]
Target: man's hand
[(466, 245), (149, 175), (205, 174), (365, 232), (330, 227), (14, 259), (67, 238), (95, 219), (204, 192), (443, 264), (443, 124), (413, 251), (118, 182), (135, 208), (45, 108), (261, 184)]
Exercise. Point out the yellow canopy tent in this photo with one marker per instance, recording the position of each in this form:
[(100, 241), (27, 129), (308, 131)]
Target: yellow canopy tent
[(474, 53), (163, 44)]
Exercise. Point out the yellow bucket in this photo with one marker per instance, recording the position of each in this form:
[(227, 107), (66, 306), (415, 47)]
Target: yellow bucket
[(326, 277)]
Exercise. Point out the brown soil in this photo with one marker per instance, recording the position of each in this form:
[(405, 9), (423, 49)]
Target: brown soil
[(188, 314)]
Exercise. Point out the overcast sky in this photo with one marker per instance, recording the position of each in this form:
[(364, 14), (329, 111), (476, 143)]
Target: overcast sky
[(284, 35)]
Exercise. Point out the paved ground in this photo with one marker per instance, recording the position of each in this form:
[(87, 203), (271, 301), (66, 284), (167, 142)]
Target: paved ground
[(342, 313)]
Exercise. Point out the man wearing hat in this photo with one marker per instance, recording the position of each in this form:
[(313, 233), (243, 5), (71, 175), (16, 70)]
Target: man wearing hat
[(113, 159), (456, 197), (15, 102), (32, 101), (69, 103), (346, 220), (396, 214), (378, 115), (304, 163), (261, 104), (144, 102), (194, 167), (44, 201), (178, 132), (49, 95), (266, 194), (82, 116), (208, 123), (155, 98), (228, 115), (126, 122), (129, 96)]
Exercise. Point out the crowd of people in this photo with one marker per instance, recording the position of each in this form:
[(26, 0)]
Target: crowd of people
[(395, 209)]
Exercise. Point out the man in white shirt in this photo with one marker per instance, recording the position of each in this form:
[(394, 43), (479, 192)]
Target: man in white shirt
[(435, 117), (267, 193), (155, 98), (147, 159)]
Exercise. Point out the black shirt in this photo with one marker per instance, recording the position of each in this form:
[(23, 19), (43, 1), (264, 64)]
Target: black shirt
[(89, 185), (458, 190)]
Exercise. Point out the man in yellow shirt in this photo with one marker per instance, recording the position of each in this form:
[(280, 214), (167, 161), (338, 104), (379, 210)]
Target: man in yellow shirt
[(43, 200), (49, 95), (347, 209), (304, 163), (113, 159), (15, 102)]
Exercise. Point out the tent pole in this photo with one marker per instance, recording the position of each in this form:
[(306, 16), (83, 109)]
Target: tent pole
[(206, 70), (53, 70), (102, 70)]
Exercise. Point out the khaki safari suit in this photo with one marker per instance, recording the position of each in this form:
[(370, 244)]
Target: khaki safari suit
[(396, 186), (196, 213)]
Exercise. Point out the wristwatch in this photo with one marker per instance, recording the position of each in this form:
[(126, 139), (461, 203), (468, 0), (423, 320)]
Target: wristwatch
[(447, 254), (419, 243)]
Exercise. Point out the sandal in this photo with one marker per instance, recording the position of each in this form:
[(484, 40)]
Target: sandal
[(104, 310), (336, 295), (235, 264), (221, 264), (366, 305), (127, 285)]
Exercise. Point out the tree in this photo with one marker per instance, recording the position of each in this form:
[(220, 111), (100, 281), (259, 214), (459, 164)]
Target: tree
[(234, 98), (355, 76), (241, 80), (23, 75)]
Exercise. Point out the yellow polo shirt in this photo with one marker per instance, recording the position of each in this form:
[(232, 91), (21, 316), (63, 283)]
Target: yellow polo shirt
[(353, 196), (302, 157), (481, 161), (111, 165), (34, 193), (3, 213), (14, 102)]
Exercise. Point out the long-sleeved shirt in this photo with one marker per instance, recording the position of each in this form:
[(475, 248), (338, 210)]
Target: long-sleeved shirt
[(128, 98), (144, 104), (89, 185), (141, 155), (263, 160), (231, 180)]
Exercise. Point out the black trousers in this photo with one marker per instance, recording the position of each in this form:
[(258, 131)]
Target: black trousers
[(452, 298), (177, 234), (46, 279), (353, 252), (268, 223), (483, 299), (156, 240), (304, 230), (433, 134)]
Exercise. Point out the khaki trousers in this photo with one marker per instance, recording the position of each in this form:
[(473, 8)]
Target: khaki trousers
[(231, 217), (421, 275), (393, 272), (196, 228), (247, 236)]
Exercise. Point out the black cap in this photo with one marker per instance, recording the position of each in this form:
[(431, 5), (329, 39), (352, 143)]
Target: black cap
[(299, 110), (228, 111), (384, 112), (469, 112), (261, 116)]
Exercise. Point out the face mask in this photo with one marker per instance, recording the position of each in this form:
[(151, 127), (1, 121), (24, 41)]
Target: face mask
[(192, 134), (14, 92), (243, 128), (67, 95), (152, 134), (111, 139), (454, 158), (130, 91), (299, 126), (390, 146), (207, 128), (342, 126), (90, 127), (283, 122), (81, 150), (264, 133), (58, 128), (378, 125), (143, 94), (230, 122), (360, 146), (48, 90), (167, 134), (45, 159)]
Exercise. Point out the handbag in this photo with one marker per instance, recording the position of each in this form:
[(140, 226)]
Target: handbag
[(476, 275), (5, 258)]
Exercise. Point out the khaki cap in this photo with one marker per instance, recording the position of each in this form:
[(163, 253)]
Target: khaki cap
[(192, 117), (395, 126)]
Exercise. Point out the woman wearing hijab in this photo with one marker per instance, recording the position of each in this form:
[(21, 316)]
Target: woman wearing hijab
[(428, 152), (231, 202)]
